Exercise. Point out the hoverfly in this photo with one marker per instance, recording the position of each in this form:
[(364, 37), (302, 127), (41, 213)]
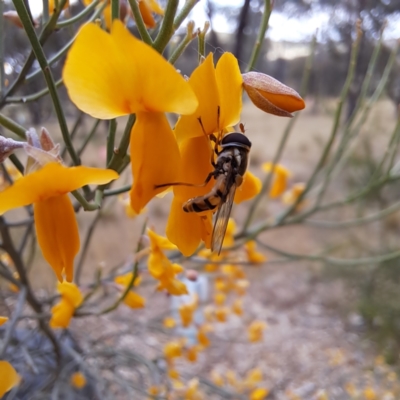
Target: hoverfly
[(229, 169)]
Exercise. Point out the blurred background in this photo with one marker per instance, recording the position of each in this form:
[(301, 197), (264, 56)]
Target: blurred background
[(330, 289)]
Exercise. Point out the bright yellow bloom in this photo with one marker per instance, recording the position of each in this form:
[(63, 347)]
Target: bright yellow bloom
[(3, 320), (216, 88), (173, 349), (113, 74), (56, 226), (78, 380), (173, 373), (270, 95), (161, 268), (281, 175), (9, 377), (169, 322), (221, 314), (191, 353), (256, 330), (252, 254), (202, 338), (219, 298), (132, 299), (71, 299), (161, 241), (259, 394)]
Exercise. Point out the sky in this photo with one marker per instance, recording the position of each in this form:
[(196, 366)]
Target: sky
[(280, 26)]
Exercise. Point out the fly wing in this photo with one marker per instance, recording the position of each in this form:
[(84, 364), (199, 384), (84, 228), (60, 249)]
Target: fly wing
[(222, 219)]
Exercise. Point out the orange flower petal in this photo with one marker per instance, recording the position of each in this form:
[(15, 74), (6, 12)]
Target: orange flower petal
[(61, 314), (161, 241), (183, 229), (3, 320), (132, 77), (133, 300), (9, 377), (57, 234), (154, 6), (204, 84), (51, 180), (145, 11), (229, 82), (250, 187), (154, 155), (78, 380)]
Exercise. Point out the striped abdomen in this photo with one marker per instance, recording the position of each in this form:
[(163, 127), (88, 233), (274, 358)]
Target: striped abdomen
[(209, 201)]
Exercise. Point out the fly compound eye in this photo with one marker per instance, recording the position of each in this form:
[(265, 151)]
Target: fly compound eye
[(235, 139)]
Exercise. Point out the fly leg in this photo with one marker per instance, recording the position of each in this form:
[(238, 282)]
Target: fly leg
[(208, 138)]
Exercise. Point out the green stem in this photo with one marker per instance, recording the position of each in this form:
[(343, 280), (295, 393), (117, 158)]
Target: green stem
[(45, 34), (167, 26), (2, 77), (87, 206), (41, 58), (79, 16), (114, 9), (17, 164), (261, 35), (89, 136), (144, 34), (12, 126), (64, 49), (189, 4), (190, 35), (201, 37), (31, 97), (120, 190), (111, 139)]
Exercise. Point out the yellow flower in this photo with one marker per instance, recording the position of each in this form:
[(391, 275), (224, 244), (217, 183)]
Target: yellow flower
[(221, 314), (186, 311), (147, 7), (218, 89), (259, 394), (132, 299), (56, 226), (173, 349), (169, 322), (9, 377), (173, 373), (191, 353), (71, 299), (219, 298), (270, 95), (256, 330), (202, 338), (78, 380), (281, 175), (370, 393), (291, 195), (252, 254), (108, 75), (3, 320), (161, 268)]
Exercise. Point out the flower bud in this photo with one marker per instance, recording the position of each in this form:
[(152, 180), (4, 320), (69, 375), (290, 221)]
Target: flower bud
[(270, 95), (7, 146)]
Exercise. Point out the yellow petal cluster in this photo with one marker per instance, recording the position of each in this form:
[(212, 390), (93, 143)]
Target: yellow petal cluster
[(253, 255), (78, 380), (56, 226), (9, 377), (186, 311), (132, 299), (219, 93), (270, 95), (281, 175), (255, 331), (161, 268), (132, 78), (71, 299)]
